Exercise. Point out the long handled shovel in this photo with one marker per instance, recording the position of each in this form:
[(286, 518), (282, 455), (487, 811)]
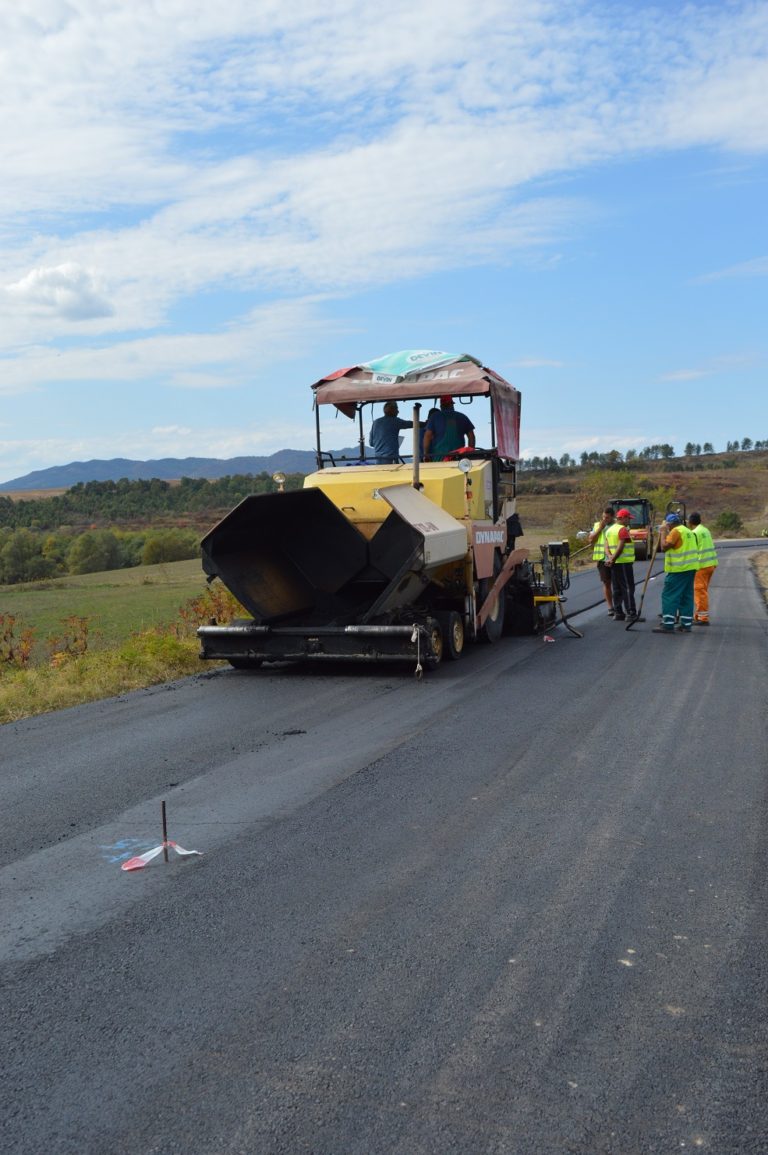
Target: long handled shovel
[(645, 587)]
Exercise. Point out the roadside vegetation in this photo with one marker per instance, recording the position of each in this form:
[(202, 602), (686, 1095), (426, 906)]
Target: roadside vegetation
[(760, 570), (136, 634), (114, 603)]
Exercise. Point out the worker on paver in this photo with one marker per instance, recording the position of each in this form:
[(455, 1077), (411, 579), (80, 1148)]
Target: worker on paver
[(681, 561), (385, 434), (446, 431), (707, 566), (597, 540), (619, 558)]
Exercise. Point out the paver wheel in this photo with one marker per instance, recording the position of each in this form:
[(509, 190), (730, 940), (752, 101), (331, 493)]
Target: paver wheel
[(452, 625), (493, 626), (435, 644)]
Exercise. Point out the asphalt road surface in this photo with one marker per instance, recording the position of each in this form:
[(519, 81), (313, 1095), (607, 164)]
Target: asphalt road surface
[(517, 907)]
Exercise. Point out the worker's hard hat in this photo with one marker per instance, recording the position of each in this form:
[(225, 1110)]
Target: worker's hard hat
[(672, 518), (444, 401), (624, 513)]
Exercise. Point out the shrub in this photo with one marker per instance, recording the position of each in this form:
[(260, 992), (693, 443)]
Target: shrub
[(94, 551), (16, 642), (21, 558), (729, 522), (73, 643), (215, 604), (169, 545)]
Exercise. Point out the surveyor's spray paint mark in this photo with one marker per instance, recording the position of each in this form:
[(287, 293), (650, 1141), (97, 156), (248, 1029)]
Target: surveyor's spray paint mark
[(123, 848)]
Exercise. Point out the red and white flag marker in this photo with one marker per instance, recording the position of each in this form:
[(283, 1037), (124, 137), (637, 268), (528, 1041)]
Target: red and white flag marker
[(141, 860)]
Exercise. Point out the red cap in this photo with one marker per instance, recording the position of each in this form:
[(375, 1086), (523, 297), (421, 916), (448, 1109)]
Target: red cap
[(624, 513), (446, 400)]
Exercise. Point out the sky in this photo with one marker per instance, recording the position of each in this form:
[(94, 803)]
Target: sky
[(204, 208)]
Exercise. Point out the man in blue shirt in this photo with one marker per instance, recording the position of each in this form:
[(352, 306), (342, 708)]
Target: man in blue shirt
[(385, 434), (446, 431)]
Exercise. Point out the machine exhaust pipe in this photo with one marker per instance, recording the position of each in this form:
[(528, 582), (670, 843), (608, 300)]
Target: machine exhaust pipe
[(416, 483)]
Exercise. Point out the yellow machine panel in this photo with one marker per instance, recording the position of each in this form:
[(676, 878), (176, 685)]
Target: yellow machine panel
[(354, 490)]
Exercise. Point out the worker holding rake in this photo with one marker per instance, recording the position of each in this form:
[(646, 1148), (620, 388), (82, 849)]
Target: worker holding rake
[(681, 561)]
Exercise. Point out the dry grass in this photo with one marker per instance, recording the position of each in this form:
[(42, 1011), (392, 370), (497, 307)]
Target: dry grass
[(760, 568), (546, 515), (31, 494), (144, 660)]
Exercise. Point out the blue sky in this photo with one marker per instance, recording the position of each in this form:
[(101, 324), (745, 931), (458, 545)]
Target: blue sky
[(204, 208)]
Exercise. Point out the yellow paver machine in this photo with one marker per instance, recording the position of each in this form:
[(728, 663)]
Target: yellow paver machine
[(389, 562)]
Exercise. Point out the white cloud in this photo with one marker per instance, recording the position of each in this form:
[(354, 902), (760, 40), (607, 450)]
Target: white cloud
[(127, 113), (727, 363), (716, 93), (238, 353), (66, 291), (758, 267), (686, 374), (557, 440)]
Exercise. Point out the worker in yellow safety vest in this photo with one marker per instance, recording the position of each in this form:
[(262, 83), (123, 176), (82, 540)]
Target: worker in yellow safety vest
[(707, 566), (597, 540), (619, 558), (681, 561)]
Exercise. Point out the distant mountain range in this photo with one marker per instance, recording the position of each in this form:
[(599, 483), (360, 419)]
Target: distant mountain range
[(166, 468)]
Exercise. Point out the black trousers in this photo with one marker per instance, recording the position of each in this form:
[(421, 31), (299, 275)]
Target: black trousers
[(623, 586)]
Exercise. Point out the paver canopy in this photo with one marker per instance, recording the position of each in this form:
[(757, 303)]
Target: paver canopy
[(414, 374)]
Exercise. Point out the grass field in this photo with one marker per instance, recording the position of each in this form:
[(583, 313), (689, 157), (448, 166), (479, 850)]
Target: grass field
[(116, 604), (128, 644)]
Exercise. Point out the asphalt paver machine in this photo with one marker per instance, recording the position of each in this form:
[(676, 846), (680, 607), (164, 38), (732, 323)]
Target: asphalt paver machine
[(371, 562)]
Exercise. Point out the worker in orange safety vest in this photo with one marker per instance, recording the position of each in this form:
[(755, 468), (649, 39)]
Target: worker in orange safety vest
[(707, 567)]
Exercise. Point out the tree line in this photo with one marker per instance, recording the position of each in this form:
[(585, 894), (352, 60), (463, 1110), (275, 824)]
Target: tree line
[(45, 537), (125, 501), (613, 458), (34, 555)]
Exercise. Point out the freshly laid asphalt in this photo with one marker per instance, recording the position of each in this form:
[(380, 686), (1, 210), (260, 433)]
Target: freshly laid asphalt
[(517, 907)]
